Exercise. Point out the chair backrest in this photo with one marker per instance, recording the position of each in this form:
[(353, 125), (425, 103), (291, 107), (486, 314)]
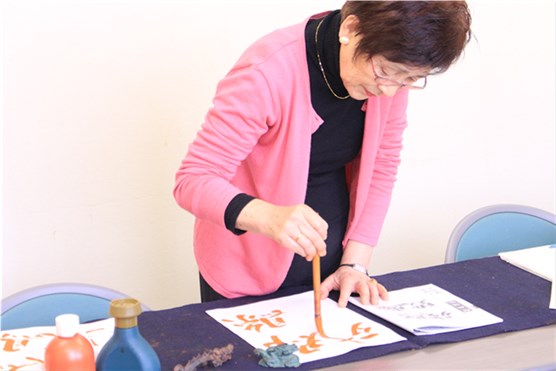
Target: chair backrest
[(497, 228), (39, 306)]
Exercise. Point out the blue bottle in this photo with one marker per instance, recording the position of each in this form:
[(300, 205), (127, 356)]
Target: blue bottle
[(127, 349)]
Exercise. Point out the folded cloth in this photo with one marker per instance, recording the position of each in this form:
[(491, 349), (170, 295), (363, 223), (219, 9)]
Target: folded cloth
[(518, 297)]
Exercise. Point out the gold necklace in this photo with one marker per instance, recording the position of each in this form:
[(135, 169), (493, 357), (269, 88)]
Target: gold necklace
[(320, 64)]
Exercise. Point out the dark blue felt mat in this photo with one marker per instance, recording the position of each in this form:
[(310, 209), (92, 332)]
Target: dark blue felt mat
[(518, 297)]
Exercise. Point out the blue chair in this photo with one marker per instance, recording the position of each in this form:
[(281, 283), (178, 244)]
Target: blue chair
[(497, 228), (39, 306)]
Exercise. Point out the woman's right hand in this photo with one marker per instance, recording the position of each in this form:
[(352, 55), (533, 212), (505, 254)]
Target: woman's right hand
[(298, 227)]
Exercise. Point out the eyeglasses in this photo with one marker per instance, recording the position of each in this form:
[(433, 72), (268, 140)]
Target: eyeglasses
[(408, 83)]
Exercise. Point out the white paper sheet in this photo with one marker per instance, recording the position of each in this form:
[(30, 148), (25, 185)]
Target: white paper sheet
[(291, 320), (23, 349), (540, 260), (428, 309)]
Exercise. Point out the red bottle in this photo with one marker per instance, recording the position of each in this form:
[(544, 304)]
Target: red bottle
[(69, 350)]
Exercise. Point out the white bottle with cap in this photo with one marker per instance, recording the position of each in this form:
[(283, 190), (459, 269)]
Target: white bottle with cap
[(69, 350)]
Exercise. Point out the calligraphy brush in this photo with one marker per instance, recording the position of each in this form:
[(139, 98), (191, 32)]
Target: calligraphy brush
[(316, 290)]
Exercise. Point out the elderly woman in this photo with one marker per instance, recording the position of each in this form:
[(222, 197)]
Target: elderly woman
[(299, 153)]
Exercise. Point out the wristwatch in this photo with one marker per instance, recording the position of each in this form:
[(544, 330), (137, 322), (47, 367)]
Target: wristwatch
[(357, 267)]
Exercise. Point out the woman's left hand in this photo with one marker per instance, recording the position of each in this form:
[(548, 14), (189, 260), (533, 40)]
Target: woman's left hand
[(348, 280)]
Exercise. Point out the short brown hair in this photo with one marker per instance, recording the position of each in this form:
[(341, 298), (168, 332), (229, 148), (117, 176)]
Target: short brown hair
[(429, 34)]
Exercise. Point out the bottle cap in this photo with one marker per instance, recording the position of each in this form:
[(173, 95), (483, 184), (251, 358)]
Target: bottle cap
[(67, 325), (125, 311)]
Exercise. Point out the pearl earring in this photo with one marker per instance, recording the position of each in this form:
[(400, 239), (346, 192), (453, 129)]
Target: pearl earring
[(344, 40)]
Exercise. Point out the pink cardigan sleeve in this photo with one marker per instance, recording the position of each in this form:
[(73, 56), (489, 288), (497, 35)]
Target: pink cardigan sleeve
[(242, 109)]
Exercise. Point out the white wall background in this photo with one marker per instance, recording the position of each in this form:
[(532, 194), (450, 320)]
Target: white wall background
[(101, 98)]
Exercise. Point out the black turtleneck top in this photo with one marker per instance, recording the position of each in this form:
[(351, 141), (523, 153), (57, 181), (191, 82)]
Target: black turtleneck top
[(333, 145)]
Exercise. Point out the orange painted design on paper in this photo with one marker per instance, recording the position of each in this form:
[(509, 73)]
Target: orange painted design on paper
[(360, 333), (35, 361), (91, 338), (252, 322), (313, 342), (13, 343), (311, 345), (364, 332), (275, 341)]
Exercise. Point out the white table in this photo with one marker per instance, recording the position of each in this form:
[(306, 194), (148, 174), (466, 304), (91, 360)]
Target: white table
[(519, 350)]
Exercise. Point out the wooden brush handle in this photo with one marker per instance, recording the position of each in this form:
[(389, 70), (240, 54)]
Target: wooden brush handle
[(316, 290)]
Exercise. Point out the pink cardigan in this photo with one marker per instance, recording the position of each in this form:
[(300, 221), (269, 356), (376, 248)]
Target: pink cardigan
[(256, 140)]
